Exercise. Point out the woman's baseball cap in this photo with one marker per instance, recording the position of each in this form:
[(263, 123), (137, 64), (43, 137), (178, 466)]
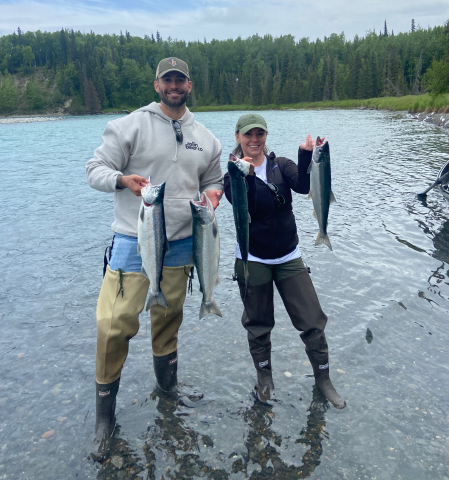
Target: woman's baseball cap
[(250, 120)]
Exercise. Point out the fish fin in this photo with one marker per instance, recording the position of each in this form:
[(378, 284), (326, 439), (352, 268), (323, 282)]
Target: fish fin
[(309, 169), (332, 198), (157, 299), (314, 214), (310, 195), (144, 273), (138, 248), (167, 246), (217, 281), (323, 239), (201, 289), (207, 308), (192, 260), (249, 218)]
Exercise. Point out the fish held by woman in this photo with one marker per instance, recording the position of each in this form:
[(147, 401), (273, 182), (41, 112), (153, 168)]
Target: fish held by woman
[(206, 252), (238, 169), (320, 188), (152, 243)]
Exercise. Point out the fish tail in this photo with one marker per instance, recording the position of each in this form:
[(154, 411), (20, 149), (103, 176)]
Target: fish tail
[(323, 239), (209, 307), (156, 299)]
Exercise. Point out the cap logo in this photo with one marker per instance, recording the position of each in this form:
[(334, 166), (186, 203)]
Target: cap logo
[(172, 62)]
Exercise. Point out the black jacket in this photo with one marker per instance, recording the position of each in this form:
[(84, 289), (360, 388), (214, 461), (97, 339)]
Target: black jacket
[(272, 231)]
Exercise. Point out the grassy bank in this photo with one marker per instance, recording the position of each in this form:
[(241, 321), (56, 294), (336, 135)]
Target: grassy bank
[(411, 103)]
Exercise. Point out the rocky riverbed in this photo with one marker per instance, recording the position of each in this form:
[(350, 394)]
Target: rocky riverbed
[(438, 119)]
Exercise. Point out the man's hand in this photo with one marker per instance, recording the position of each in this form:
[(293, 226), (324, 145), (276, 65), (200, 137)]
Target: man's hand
[(214, 197), (309, 143), (134, 183)]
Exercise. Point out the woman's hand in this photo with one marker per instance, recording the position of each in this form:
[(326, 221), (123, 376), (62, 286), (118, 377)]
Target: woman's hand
[(251, 168), (309, 144)]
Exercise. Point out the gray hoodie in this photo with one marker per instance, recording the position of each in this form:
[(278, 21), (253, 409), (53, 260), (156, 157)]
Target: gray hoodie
[(144, 143)]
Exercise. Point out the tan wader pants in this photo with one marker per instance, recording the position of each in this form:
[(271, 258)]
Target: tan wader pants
[(119, 304)]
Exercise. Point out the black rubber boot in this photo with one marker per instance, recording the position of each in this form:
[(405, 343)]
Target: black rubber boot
[(166, 371), (317, 351), (106, 395), (265, 387)]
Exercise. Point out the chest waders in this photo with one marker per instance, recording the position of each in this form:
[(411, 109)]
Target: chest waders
[(302, 305), (121, 300)]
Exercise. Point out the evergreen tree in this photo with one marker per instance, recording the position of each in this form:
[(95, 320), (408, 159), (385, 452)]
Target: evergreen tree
[(267, 86), (90, 97), (335, 86), (413, 25), (8, 94), (365, 88), (276, 95), (35, 96), (256, 85), (354, 75), (385, 29), (415, 87)]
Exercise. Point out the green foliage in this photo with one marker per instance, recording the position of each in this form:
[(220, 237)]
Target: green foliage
[(8, 94), (255, 71), (35, 96)]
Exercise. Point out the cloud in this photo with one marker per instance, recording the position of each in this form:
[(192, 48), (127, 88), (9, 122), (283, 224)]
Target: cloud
[(222, 19)]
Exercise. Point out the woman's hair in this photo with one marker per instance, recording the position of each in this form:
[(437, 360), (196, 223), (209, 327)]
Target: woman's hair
[(238, 152)]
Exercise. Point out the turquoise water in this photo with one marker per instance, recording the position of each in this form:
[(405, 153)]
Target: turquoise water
[(385, 288)]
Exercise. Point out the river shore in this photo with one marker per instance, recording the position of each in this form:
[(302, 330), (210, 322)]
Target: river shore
[(434, 118)]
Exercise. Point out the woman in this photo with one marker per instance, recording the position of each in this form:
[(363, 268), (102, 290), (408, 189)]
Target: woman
[(274, 256)]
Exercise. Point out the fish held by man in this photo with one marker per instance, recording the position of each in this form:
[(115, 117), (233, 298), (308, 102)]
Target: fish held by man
[(152, 243), (238, 169), (206, 252), (320, 188)]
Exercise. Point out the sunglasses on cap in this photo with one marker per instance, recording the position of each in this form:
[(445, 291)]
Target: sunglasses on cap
[(275, 189), (178, 132)]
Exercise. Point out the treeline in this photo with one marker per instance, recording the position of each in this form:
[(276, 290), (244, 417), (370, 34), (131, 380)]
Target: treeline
[(116, 71)]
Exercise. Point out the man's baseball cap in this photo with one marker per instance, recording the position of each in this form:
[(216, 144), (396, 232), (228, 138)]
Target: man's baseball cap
[(172, 64), (250, 120)]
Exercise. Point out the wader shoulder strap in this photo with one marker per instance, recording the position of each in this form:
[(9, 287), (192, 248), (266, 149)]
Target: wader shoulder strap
[(107, 256)]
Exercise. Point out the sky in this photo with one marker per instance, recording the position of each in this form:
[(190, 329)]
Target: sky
[(192, 20)]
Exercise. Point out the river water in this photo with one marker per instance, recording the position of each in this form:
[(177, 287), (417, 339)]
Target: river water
[(385, 288)]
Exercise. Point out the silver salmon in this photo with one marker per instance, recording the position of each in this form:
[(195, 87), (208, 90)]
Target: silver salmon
[(238, 170), (206, 252), (320, 189), (152, 241)]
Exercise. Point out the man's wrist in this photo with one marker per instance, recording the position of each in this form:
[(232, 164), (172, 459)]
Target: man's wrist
[(119, 182)]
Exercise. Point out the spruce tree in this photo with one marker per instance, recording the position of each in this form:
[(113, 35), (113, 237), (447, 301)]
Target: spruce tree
[(256, 85), (354, 75)]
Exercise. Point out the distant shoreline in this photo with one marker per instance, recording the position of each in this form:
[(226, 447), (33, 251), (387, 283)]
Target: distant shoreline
[(433, 113)]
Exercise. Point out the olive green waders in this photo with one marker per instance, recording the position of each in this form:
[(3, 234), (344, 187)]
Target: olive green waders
[(121, 300), (301, 302)]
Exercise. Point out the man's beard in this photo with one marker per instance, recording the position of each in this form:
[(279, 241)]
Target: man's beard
[(173, 104)]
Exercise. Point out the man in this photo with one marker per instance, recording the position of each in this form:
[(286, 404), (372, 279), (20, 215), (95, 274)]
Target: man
[(164, 142)]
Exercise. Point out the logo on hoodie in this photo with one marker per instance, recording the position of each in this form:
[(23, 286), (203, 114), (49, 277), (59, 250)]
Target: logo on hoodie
[(193, 146)]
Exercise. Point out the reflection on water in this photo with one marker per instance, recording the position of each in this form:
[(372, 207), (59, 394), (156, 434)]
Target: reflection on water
[(441, 243), (385, 289), (173, 450)]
